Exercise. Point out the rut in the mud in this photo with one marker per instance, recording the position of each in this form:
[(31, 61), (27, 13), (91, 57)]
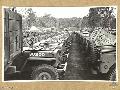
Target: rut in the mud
[(77, 68)]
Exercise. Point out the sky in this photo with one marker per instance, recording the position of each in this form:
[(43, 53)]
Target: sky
[(58, 12)]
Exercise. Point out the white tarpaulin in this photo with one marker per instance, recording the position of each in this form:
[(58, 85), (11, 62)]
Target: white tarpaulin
[(34, 29)]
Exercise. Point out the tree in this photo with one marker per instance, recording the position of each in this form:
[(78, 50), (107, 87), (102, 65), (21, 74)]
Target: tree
[(101, 17), (84, 22), (48, 21), (31, 18), (75, 22), (93, 18)]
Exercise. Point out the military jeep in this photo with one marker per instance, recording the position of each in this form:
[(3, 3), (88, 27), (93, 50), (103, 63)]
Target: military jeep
[(46, 64)]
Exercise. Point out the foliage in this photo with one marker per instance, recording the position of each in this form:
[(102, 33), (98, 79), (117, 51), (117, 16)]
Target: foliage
[(84, 22), (97, 17), (101, 17), (31, 18)]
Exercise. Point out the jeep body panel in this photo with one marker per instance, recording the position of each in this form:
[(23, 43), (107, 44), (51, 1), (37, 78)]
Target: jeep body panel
[(107, 58)]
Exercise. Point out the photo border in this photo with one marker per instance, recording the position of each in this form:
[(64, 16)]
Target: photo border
[(61, 84)]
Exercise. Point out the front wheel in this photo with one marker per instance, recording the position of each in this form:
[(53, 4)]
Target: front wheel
[(112, 75), (44, 72)]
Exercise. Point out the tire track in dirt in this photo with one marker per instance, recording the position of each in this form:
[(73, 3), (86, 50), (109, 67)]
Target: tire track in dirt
[(77, 68)]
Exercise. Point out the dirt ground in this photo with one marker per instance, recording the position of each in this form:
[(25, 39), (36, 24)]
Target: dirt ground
[(77, 68)]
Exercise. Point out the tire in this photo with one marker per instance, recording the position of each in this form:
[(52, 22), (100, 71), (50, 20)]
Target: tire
[(44, 72), (112, 75), (93, 52)]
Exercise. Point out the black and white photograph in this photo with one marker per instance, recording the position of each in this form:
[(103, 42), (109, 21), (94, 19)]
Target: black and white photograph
[(60, 43)]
